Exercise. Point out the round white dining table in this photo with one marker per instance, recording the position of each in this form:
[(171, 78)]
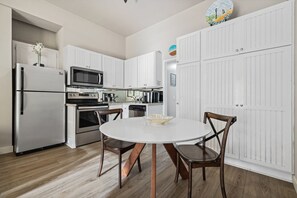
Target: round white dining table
[(140, 131)]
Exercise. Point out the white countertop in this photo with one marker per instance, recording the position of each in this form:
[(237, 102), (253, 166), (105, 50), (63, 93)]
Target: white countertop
[(138, 130)]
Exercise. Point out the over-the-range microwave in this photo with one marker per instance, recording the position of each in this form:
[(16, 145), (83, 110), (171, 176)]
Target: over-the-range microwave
[(84, 77)]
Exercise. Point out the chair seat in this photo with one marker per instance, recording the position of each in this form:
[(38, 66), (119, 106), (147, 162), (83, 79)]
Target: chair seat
[(194, 153), (118, 144)]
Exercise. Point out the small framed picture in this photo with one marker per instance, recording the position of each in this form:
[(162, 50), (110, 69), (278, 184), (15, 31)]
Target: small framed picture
[(172, 80)]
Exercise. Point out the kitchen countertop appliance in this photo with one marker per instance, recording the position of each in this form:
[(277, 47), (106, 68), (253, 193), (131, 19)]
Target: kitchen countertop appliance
[(39, 110), (86, 123), (137, 110)]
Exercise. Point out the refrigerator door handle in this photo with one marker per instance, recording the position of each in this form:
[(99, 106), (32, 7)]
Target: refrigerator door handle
[(22, 91)]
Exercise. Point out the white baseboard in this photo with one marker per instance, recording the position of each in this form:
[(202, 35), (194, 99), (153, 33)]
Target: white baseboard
[(6, 149), (285, 176), (294, 182)]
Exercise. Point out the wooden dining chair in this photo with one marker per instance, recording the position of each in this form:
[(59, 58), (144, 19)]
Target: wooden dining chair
[(115, 146), (201, 156)]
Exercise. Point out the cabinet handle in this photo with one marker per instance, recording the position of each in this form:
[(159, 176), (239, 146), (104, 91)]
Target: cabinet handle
[(237, 105), (177, 103), (237, 50), (241, 49), (241, 105)]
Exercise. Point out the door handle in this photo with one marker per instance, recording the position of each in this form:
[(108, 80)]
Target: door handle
[(22, 91)]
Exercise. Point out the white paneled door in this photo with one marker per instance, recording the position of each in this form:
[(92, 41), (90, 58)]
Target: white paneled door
[(268, 108), (188, 91), (220, 85), (256, 87)]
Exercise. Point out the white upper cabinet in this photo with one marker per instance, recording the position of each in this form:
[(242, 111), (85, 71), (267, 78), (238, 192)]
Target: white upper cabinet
[(95, 61), (267, 28), (131, 73), (113, 69), (150, 70), (75, 56), (23, 53), (264, 29), (188, 48), (220, 40)]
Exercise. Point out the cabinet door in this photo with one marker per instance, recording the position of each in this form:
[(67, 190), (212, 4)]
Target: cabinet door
[(82, 58), (151, 69), (131, 73), (95, 61), (108, 71), (220, 82), (119, 73), (221, 40), (188, 91), (267, 103), (69, 57), (50, 58), (188, 48), (143, 65), (268, 28), (23, 53)]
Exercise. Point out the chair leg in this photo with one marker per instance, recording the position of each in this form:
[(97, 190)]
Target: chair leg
[(190, 181), (101, 163), (120, 170), (203, 172), (139, 164), (222, 181), (177, 168)]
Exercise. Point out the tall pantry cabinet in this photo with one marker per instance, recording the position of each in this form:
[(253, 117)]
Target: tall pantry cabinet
[(247, 71), (188, 77)]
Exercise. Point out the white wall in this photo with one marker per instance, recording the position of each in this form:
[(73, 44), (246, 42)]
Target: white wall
[(5, 80), (160, 36), (27, 33), (75, 30)]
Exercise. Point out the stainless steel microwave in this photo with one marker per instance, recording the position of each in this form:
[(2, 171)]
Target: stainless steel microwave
[(83, 77)]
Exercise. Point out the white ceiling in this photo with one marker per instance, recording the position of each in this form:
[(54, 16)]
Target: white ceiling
[(125, 19)]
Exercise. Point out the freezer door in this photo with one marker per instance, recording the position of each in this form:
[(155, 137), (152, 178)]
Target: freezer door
[(42, 122), (34, 78)]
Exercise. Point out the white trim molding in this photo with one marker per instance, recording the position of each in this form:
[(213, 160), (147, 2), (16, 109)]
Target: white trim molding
[(294, 182), (6, 149)]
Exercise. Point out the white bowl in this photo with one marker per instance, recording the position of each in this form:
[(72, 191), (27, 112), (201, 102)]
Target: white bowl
[(158, 119)]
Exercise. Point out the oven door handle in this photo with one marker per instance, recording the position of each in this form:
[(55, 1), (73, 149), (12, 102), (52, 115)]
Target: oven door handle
[(93, 107)]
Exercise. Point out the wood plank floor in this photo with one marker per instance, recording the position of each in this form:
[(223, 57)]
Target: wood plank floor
[(65, 172)]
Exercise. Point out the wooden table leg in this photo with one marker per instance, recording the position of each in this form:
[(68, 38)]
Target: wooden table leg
[(154, 173), (172, 153), (132, 159)]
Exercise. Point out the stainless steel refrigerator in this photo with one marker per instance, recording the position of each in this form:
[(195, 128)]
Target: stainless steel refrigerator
[(39, 110)]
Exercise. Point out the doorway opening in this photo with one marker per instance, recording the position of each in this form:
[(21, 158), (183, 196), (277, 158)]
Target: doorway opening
[(170, 87)]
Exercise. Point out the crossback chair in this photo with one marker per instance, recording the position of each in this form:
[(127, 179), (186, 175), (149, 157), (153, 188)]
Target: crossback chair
[(201, 156), (115, 146)]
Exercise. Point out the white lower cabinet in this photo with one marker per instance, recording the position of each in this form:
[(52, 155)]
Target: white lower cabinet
[(257, 88), (188, 91)]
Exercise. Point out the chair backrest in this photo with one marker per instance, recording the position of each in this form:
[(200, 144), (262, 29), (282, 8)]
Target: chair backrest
[(106, 112), (230, 120)]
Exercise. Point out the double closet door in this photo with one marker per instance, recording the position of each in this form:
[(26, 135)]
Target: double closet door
[(257, 88)]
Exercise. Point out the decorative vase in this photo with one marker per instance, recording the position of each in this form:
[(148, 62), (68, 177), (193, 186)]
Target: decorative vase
[(38, 60)]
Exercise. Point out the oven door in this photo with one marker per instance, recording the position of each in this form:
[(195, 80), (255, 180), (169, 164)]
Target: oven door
[(86, 77), (87, 119)]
